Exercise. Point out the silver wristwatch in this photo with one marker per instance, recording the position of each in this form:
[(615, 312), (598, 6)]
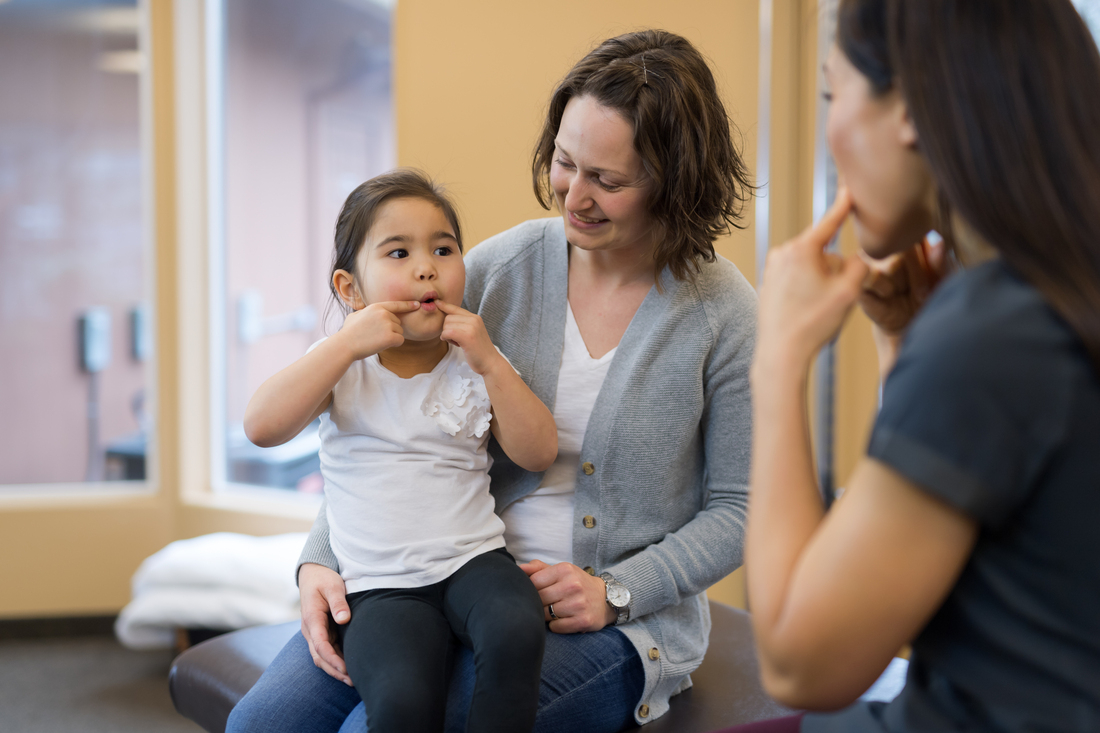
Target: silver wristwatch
[(618, 597)]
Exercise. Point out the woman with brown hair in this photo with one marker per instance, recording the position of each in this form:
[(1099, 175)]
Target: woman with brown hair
[(624, 322), (969, 529)]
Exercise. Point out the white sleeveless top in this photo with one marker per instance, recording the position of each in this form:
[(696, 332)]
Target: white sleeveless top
[(540, 525), (407, 473)]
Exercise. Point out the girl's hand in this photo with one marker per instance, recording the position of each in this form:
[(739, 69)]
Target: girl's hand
[(323, 592), (522, 424), (467, 331), (580, 599), (806, 293), (376, 327)]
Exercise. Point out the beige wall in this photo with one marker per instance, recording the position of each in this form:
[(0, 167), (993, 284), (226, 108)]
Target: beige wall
[(471, 83), (473, 79)]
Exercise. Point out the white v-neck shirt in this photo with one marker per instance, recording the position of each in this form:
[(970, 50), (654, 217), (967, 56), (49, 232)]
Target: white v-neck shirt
[(540, 525)]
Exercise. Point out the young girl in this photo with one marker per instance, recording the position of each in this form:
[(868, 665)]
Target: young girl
[(407, 392)]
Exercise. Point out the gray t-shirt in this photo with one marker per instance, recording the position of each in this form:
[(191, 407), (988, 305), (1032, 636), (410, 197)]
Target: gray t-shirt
[(994, 408)]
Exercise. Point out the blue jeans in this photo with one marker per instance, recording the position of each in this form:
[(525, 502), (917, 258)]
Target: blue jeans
[(591, 683)]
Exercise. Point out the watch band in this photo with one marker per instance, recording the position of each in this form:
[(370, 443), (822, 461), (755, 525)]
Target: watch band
[(618, 598)]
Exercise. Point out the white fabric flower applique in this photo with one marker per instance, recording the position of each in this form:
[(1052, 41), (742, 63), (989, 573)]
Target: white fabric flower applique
[(457, 400)]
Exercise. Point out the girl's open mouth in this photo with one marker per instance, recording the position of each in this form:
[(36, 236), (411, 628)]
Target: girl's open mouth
[(428, 302)]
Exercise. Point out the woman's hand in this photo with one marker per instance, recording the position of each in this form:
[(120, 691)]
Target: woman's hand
[(806, 293), (375, 328), (579, 599), (323, 591), (467, 331), (896, 290)]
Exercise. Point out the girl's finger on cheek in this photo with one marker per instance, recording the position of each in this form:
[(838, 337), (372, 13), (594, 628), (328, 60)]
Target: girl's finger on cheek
[(448, 308)]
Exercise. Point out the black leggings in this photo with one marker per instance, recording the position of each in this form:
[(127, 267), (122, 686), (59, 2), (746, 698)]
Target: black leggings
[(399, 641)]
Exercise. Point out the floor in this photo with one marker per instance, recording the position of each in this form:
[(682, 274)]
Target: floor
[(89, 684)]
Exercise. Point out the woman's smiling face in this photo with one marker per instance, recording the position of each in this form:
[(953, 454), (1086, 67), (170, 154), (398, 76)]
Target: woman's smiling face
[(599, 182)]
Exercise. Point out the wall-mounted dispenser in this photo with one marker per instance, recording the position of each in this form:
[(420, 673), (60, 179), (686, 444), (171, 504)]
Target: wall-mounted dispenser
[(94, 328), (139, 333), (94, 345)]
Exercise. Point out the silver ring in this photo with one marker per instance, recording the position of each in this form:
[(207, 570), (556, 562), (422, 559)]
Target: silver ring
[(550, 608)]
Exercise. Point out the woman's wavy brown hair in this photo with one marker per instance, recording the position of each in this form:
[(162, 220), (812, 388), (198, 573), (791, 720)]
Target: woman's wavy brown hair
[(1005, 96), (663, 86)]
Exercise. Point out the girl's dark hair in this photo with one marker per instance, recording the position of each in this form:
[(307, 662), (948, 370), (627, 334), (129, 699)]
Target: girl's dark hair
[(663, 86), (361, 207), (1005, 96)]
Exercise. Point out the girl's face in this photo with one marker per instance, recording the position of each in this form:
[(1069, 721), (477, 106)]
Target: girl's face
[(874, 144), (411, 253), (600, 185)]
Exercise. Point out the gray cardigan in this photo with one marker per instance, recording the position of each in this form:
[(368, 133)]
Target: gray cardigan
[(669, 437)]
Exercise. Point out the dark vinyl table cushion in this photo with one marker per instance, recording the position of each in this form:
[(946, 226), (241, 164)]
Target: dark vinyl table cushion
[(208, 679)]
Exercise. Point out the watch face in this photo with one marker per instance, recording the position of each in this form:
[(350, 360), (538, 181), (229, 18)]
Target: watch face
[(618, 595)]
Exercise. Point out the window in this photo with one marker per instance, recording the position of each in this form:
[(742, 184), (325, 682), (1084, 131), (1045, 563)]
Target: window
[(74, 251), (1090, 11), (301, 113)]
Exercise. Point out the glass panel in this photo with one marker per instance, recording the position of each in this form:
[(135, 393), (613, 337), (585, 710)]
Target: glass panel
[(1090, 11), (73, 258), (307, 116)]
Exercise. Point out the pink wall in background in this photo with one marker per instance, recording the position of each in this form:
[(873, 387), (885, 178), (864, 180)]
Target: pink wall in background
[(309, 116), (71, 236)]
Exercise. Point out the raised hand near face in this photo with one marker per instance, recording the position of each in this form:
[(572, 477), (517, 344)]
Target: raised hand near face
[(467, 331), (807, 292), (895, 290), (375, 327), (897, 286)]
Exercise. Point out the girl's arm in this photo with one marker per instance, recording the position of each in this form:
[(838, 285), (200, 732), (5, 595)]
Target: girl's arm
[(834, 596), (293, 398), (522, 424)]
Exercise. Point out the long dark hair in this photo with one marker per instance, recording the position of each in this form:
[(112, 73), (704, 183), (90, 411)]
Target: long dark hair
[(662, 84), (1005, 96)]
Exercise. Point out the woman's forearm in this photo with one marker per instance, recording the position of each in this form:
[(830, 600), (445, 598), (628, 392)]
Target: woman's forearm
[(785, 503), (317, 549)]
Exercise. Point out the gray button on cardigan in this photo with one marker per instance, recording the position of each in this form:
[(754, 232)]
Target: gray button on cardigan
[(669, 437)]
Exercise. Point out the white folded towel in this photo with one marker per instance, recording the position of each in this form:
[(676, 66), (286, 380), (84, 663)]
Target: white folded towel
[(216, 581)]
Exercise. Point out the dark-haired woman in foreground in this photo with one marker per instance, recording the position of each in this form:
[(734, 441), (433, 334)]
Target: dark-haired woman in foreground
[(970, 527)]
